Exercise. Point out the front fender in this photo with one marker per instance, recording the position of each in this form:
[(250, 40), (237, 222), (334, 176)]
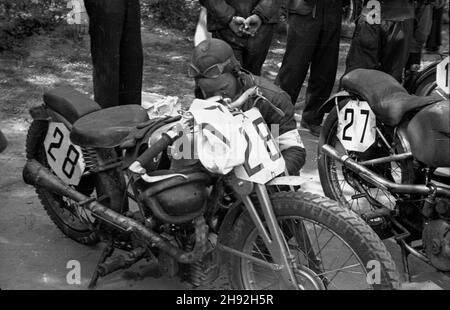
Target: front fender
[(329, 104), (226, 227), (291, 180)]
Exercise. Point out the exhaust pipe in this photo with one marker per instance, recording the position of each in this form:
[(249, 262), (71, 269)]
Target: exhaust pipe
[(375, 179), (36, 174)]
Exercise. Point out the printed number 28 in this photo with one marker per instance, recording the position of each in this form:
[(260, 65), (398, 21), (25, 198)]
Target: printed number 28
[(266, 139), (72, 156), (351, 112)]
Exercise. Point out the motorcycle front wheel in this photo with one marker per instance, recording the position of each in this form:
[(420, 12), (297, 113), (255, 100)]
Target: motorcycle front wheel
[(332, 246)]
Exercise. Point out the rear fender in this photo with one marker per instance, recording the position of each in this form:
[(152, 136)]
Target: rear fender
[(43, 113), (328, 105)]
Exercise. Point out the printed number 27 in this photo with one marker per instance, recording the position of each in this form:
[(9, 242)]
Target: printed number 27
[(351, 112)]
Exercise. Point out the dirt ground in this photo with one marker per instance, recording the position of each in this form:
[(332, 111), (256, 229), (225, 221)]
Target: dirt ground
[(33, 252)]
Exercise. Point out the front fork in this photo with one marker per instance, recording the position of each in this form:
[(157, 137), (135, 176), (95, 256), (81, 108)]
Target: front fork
[(275, 241)]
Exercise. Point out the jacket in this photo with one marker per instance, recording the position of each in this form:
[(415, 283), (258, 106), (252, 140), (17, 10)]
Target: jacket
[(220, 12), (306, 7), (394, 10)]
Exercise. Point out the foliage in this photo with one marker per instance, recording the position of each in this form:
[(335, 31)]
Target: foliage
[(178, 14), (22, 18)]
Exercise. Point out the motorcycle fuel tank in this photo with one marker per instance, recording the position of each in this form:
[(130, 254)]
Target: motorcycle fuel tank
[(428, 133)]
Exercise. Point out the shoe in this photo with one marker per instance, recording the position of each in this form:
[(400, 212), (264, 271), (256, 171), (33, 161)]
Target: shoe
[(313, 129)]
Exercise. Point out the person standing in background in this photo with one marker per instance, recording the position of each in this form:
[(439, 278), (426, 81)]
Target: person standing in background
[(116, 50), (422, 26), (312, 44), (246, 25), (434, 39), (381, 41)]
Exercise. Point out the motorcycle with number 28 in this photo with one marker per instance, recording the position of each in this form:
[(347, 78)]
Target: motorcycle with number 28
[(385, 154), (116, 176)]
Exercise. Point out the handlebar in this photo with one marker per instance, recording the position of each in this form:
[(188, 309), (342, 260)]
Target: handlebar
[(243, 98), (146, 158)]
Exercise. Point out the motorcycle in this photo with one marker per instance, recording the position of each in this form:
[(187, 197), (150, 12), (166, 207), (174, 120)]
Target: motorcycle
[(385, 154), (116, 176)]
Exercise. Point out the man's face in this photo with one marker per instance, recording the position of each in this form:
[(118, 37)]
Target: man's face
[(225, 85)]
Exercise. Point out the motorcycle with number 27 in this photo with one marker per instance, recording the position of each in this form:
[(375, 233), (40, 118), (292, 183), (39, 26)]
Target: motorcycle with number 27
[(385, 154), (116, 176)]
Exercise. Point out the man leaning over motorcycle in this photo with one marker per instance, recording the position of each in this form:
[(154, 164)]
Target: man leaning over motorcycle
[(218, 73)]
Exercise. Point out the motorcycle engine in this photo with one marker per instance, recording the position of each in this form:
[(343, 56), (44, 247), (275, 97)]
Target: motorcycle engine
[(436, 240), (179, 198)]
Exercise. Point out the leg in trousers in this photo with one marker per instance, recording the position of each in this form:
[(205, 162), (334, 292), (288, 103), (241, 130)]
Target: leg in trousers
[(106, 18), (131, 58), (256, 49), (323, 72), (395, 52), (364, 48), (434, 39), (303, 35)]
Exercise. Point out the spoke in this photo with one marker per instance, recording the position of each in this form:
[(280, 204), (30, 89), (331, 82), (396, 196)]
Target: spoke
[(351, 254), (342, 269), (326, 243), (320, 256), (260, 252)]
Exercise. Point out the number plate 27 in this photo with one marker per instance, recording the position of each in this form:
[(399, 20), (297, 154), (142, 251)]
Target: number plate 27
[(64, 158), (357, 126)]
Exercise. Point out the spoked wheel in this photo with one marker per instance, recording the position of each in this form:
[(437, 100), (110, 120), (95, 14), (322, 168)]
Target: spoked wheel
[(73, 220), (347, 187), (332, 248)]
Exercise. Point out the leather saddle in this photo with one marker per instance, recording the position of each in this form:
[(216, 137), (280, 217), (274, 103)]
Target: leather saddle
[(107, 128), (388, 99), (70, 103)]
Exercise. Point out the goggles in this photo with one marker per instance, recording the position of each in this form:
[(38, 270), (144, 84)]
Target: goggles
[(210, 73)]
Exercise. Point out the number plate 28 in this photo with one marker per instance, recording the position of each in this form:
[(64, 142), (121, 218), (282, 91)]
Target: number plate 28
[(357, 126), (63, 157), (263, 159)]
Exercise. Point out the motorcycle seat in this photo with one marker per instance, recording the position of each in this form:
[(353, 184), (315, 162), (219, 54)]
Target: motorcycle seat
[(388, 99), (107, 128), (70, 103)]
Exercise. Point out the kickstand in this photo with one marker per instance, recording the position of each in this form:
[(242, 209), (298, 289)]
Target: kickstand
[(107, 252), (405, 263)]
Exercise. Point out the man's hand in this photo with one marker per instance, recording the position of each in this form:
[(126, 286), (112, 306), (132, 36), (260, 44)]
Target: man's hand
[(252, 24), (237, 24)]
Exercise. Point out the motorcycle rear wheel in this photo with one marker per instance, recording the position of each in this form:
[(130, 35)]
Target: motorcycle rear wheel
[(312, 213), (59, 209), (342, 185)]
